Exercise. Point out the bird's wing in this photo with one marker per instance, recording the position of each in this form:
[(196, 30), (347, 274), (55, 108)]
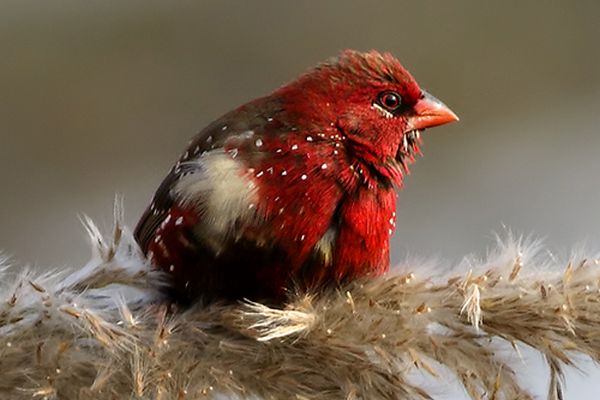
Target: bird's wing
[(237, 127), (156, 212)]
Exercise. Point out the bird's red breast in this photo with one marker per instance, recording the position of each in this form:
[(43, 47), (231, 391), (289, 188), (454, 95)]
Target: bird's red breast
[(295, 189)]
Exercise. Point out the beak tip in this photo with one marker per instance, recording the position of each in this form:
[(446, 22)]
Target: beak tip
[(430, 112), (452, 116)]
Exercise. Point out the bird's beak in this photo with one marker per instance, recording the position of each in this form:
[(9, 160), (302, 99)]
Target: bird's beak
[(430, 112)]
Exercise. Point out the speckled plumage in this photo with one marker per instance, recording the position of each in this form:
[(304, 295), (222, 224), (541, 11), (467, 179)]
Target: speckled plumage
[(294, 189)]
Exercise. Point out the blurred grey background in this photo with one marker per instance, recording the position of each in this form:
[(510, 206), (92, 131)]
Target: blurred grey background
[(100, 97)]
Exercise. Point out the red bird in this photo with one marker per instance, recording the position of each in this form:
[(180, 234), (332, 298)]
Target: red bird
[(295, 188)]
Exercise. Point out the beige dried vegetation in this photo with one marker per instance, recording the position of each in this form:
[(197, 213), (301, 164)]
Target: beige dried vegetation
[(104, 332)]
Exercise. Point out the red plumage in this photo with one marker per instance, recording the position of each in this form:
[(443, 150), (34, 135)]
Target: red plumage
[(294, 189)]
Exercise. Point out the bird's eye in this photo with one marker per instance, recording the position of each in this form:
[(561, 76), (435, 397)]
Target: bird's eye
[(391, 101)]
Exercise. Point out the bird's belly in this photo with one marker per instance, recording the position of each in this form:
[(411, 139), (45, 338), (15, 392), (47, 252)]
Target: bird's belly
[(356, 245), (244, 270)]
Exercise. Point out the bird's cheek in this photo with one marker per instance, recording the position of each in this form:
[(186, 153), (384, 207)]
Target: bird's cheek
[(355, 125), (346, 122)]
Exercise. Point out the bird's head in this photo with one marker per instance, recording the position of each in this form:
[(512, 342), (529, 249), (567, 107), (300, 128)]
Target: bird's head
[(376, 104)]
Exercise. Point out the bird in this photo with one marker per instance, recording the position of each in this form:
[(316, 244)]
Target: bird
[(295, 190)]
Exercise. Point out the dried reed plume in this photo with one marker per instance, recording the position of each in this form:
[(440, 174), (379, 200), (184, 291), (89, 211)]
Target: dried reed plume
[(104, 332)]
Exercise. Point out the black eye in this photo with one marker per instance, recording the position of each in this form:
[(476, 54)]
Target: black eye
[(391, 101)]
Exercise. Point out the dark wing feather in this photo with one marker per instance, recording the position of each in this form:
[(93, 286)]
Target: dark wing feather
[(156, 212)]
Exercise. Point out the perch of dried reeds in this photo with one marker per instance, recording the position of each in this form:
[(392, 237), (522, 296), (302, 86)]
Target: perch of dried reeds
[(104, 332)]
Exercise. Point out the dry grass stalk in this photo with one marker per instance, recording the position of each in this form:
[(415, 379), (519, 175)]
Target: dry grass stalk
[(103, 332)]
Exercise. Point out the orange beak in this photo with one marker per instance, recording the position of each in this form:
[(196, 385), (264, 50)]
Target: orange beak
[(430, 112)]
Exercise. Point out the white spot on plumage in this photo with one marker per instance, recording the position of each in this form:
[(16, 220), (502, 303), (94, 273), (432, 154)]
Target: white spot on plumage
[(283, 173), (209, 139), (324, 166), (258, 142), (324, 246), (179, 221), (303, 177), (294, 147), (171, 268), (309, 139), (223, 192), (302, 237), (269, 119), (260, 173), (233, 152), (224, 128)]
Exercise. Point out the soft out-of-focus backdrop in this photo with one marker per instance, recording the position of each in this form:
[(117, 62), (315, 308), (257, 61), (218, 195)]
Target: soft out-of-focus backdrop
[(100, 97)]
